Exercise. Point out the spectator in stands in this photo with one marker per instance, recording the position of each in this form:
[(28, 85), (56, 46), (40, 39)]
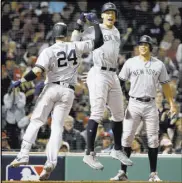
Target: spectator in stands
[(137, 145), (16, 33), (78, 122), (64, 147), (165, 145), (173, 11), (73, 136), (6, 17), (165, 27), (161, 9), (45, 17), (179, 86), (30, 28), (178, 135), (155, 29), (171, 68), (4, 142), (14, 103), (177, 27), (107, 142), (171, 52)]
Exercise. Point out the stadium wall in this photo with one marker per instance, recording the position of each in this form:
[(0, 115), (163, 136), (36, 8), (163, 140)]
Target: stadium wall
[(71, 168)]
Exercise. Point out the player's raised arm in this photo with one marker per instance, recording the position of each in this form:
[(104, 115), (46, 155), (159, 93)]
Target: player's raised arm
[(89, 45), (85, 18)]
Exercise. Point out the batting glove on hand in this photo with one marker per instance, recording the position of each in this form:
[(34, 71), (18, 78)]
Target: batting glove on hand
[(15, 84), (91, 17), (82, 19)]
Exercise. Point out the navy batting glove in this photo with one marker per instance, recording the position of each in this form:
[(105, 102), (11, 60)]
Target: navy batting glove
[(81, 20), (15, 84), (91, 17), (82, 17)]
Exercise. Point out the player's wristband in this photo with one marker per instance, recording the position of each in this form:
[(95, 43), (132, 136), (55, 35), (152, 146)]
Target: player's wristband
[(30, 76)]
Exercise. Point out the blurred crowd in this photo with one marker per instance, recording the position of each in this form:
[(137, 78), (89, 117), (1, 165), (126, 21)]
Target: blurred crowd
[(27, 30)]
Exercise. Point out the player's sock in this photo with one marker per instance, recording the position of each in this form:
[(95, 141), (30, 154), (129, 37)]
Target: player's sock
[(25, 147), (127, 150), (91, 134), (152, 154), (117, 128)]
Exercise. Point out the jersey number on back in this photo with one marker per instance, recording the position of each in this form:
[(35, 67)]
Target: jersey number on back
[(63, 57)]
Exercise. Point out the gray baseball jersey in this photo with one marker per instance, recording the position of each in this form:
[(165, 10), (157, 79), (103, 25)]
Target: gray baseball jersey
[(103, 85), (61, 60), (107, 54), (144, 76)]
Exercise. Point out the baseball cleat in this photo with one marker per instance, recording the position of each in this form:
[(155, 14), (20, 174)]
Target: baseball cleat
[(121, 176), (92, 161), (119, 155), (20, 160), (154, 177), (46, 172)]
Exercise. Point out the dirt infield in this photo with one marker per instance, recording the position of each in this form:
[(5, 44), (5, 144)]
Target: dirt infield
[(83, 182)]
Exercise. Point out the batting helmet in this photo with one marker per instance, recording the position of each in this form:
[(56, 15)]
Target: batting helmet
[(59, 30), (109, 6), (146, 39)]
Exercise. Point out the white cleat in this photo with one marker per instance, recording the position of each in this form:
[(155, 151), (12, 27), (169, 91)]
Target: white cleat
[(92, 161), (154, 177), (21, 159), (46, 172), (121, 176), (119, 155)]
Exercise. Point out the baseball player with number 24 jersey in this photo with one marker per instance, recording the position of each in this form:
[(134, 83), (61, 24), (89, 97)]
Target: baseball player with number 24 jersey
[(60, 62)]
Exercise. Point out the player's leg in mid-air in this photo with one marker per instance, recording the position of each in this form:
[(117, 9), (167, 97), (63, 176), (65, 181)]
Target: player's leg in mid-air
[(60, 112), (115, 103), (39, 117), (98, 91)]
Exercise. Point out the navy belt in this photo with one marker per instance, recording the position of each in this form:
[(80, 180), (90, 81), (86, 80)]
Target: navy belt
[(108, 69), (65, 85), (143, 99)]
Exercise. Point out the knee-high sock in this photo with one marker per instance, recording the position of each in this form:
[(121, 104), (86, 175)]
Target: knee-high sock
[(127, 150), (152, 154), (117, 128), (91, 134)]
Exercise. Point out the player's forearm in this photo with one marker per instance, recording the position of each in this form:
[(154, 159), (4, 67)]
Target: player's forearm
[(75, 36), (168, 93), (31, 75)]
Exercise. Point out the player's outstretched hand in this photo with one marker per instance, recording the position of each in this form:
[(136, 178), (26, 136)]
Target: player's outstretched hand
[(15, 84)]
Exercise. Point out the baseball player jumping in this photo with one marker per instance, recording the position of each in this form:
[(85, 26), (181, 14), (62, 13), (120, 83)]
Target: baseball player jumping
[(103, 84), (144, 72), (60, 62)]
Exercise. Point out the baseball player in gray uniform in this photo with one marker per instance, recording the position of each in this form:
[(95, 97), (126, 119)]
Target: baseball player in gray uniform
[(60, 62), (144, 72), (103, 84)]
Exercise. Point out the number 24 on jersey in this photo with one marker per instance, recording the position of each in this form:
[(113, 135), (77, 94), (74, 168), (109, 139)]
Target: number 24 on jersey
[(65, 58)]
